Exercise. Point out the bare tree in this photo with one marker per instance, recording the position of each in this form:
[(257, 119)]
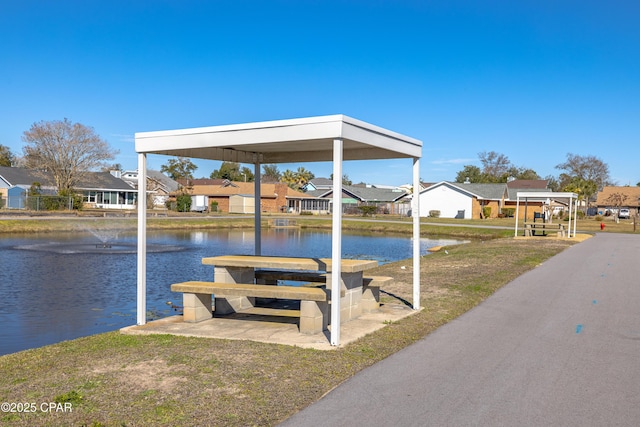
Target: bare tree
[(590, 171), (67, 150), (588, 168), (495, 166), (616, 200)]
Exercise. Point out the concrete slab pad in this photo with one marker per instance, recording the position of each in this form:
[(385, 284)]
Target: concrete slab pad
[(270, 329)]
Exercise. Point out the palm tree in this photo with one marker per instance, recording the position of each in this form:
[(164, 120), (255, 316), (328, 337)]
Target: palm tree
[(303, 177), (289, 178)]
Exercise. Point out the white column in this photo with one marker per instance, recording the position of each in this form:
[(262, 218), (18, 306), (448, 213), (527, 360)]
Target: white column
[(415, 210), (142, 239), (336, 242), (575, 222), (570, 212), (257, 217), (515, 233)]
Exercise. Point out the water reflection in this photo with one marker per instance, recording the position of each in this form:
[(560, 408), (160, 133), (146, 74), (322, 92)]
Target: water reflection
[(50, 295)]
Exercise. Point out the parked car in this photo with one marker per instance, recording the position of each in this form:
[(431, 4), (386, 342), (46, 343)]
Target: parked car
[(623, 213)]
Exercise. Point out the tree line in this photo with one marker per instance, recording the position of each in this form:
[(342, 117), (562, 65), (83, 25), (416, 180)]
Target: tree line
[(583, 175), (182, 168)]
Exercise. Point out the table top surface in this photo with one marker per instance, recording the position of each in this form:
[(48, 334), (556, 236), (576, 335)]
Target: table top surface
[(288, 263)]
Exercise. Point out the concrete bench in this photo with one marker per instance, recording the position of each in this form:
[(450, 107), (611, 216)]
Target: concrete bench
[(271, 277), (531, 227), (197, 301), (370, 284), (371, 292)]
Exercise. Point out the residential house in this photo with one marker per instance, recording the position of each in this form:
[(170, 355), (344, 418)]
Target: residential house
[(160, 188), (99, 189), (388, 200), (531, 209), (462, 200), (468, 200), (319, 184), (274, 197), (611, 198), (15, 184)]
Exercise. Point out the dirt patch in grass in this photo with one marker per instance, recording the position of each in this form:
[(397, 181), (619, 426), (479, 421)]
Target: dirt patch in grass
[(138, 377), (113, 379)]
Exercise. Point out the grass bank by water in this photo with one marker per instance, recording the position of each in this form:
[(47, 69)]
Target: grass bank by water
[(47, 224), (114, 380), (454, 228)]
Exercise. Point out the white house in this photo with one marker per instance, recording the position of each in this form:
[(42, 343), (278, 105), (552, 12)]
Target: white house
[(462, 200)]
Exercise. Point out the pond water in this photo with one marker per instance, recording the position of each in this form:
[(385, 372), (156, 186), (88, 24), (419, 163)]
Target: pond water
[(61, 286)]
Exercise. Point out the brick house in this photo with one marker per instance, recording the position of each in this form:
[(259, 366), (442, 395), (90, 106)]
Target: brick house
[(274, 197)]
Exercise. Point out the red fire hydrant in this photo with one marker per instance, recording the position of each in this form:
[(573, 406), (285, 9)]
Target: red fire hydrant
[(602, 226)]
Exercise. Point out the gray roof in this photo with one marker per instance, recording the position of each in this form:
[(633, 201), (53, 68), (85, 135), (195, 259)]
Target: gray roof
[(371, 194), (22, 177), (321, 183), (486, 191), (317, 193), (480, 191), (169, 183), (102, 181), (90, 181), (364, 194)]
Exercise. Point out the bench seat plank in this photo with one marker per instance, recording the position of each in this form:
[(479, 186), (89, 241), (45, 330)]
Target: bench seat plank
[(531, 227), (197, 297), (265, 311), (544, 225), (294, 276), (251, 290)]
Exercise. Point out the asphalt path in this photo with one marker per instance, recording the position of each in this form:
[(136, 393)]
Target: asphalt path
[(558, 346)]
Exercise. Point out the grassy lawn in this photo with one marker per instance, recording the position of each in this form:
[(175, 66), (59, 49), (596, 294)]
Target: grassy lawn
[(115, 380)]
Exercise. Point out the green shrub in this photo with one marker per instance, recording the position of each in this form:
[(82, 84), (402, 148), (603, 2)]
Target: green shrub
[(306, 213), (508, 212), (183, 202), (434, 214), (214, 206), (51, 203), (599, 218), (486, 212), (76, 201), (367, 210)]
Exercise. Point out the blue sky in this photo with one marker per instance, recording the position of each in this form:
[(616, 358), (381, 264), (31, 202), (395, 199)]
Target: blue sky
[(533, 80)]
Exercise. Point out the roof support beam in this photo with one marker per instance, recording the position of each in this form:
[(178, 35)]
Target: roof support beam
[(336, 242), (257, 217), (142, 240), (415, 212)]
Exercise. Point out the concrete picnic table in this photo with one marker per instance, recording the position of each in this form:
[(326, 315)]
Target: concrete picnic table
[(242, 268)]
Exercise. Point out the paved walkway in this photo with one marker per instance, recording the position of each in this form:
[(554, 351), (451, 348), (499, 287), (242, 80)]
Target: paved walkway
[(559, 346)]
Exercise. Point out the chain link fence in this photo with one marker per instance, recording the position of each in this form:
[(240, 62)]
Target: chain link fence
[(41, 203)]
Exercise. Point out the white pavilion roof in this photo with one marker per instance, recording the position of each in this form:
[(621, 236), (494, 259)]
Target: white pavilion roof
[(281, 141)]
